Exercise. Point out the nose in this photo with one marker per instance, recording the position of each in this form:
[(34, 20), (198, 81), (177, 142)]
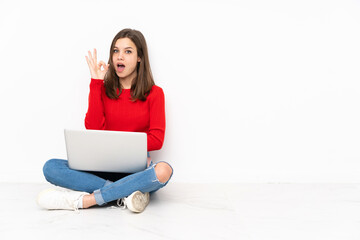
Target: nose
[(120, 56)]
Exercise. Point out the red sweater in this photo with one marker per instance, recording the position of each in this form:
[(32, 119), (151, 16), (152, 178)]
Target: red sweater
[(124, 115)]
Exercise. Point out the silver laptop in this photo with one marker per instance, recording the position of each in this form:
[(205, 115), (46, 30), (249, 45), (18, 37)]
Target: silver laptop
[(106, 151)]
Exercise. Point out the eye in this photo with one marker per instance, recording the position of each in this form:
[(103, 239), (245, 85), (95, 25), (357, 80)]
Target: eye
[(128, 51), (115, 50)]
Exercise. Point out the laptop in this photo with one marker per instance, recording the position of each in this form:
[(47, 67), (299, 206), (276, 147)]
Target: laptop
[(106, 151)]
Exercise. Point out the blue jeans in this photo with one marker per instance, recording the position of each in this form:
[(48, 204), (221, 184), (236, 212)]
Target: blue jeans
[(57, 172)]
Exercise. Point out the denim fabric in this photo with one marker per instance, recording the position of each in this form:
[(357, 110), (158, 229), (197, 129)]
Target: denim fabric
[(57, 172)]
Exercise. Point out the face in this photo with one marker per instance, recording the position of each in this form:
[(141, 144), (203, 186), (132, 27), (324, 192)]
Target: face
[(125, 58)]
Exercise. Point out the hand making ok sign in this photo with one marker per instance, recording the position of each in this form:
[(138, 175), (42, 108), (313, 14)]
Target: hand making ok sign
[(97, 70)]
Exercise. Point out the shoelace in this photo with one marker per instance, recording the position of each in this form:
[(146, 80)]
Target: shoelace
[(121, 203)]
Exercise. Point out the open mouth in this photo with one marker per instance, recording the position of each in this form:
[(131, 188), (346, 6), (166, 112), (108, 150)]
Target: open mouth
[(120, 67)]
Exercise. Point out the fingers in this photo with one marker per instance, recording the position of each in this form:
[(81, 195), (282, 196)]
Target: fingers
[(95, 68), (90, 56), (95, 56), (104, 65), (101, 63), (90, 59), (87, 60)]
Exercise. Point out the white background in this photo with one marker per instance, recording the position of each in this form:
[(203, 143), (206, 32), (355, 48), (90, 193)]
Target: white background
[(256, 91)]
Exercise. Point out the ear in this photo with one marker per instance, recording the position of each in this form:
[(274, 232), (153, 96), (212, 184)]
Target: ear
[(139, 59)]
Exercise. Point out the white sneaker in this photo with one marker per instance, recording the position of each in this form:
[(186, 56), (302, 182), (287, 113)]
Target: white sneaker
[(60, 198), (136, 202)]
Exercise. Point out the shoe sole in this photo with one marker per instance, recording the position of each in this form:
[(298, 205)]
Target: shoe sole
[(139, 201)]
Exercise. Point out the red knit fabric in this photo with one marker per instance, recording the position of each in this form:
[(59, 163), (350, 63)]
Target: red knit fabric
[(124, 115)]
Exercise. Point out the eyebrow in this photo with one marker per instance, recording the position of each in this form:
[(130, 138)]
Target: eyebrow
[(125, 48)]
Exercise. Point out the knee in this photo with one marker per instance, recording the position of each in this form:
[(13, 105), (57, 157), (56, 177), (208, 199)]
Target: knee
[(50, 167), (163, 171)]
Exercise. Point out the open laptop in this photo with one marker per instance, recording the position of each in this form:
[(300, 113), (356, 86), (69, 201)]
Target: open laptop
[(106, 151)]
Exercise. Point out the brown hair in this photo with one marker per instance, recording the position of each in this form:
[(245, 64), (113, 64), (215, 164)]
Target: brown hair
[(144, 81)]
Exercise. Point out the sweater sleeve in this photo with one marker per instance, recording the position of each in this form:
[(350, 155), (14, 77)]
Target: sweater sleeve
[(156, 133), (95, 117)]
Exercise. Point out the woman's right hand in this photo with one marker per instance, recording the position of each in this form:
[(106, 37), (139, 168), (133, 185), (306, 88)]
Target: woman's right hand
[(97, 70)]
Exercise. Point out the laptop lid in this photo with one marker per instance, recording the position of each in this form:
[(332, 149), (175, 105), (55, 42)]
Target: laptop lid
[(106, 151)]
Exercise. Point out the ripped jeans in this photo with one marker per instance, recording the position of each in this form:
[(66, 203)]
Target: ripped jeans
[(57, 172)]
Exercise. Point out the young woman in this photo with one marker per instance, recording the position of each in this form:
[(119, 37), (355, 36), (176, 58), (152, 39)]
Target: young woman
[(123, 97)]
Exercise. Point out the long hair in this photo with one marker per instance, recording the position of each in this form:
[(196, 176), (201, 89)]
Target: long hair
[(143, 82)]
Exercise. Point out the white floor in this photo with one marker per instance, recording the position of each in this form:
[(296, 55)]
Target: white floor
[(195, 211)]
